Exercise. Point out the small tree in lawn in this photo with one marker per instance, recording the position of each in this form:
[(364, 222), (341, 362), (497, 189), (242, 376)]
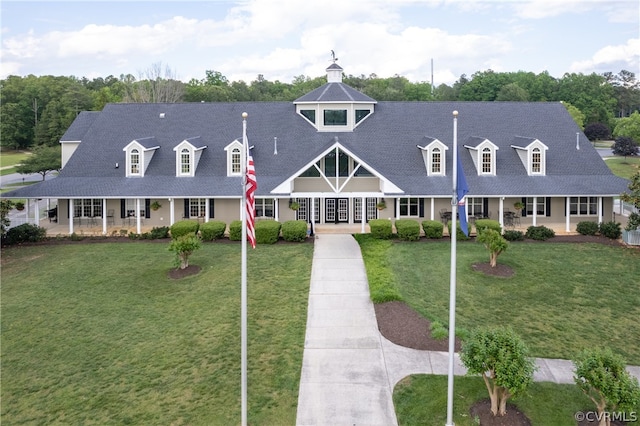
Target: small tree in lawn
[(184, 246), (602, 376), (494, 242), (502, 358), (625, 146), (633, 197)]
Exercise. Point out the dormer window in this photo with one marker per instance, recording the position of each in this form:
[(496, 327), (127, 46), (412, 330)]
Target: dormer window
[(536, 161), (138, 155), (188, 153), (235, 161), (134, 161), (483, 155), (234, 158), (532, 154), (487, 161), (434, 157), (309, 114), (185, 161)]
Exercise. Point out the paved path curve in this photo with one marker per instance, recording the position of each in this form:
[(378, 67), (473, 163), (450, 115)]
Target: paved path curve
[(349, 369)]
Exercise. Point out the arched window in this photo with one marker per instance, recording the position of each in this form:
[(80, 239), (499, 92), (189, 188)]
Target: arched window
[(536, 161), (436, 161), (235, 160), (135, 162), (185, 161), (486, 160)]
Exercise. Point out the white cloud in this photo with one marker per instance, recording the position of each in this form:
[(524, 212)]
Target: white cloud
[(615, 11), (626, 56)]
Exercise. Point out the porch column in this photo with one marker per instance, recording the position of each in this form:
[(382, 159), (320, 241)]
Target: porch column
[(433, 209), (535, 210), (501, 213), (276, 208), (363, 213), (600, 209), (172, 213), (70, 210), (397, 202), (138, 219), (567, 226), (313, 216), (104, 216), (206, 209)]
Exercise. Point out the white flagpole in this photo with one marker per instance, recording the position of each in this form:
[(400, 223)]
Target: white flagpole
[(243, 291), (452, 283)]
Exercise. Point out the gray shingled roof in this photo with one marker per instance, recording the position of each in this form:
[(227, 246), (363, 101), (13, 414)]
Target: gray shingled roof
[(334, 92), (386, 141)]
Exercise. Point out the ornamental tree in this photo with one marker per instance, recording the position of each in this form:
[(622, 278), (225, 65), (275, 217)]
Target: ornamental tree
[(494, 242), (625, 146), (633, 197), (597, 131), (502, 358), (44, 160), (602, 376), (183, 247)]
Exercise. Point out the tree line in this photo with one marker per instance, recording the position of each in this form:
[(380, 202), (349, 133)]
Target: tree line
[(37, 110)]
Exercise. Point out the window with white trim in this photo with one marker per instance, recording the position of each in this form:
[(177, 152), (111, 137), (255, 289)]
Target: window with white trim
[(487, 161), (540, 206), (197, 207), (264, 207), (235, 161), (87, 208), (436, 161), (134, 162), (536, 161), (583, 206), (409, 207), (475, 206), (185, 161)]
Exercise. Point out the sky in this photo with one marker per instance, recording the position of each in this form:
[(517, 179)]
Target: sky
[(282, 39)]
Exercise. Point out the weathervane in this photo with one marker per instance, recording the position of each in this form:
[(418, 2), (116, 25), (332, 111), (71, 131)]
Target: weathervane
[(333, 56)]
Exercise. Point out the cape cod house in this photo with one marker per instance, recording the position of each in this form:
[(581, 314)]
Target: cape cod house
[(334, 151)]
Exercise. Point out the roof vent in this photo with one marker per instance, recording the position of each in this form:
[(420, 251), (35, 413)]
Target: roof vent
[(162, 115)]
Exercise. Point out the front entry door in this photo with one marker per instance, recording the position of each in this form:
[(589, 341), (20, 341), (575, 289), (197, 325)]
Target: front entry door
[(336, 210)]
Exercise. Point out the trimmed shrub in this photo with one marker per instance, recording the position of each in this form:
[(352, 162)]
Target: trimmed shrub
[(408, 229), (235, 230), (268, 231), (540, 233), (158, 233), (513, 235), (611, 230), (25, 233), (482, 224), (381, 228), (432, 228), (294, 230), (460, 235), (212, 230), (587, 228), (184, 227)]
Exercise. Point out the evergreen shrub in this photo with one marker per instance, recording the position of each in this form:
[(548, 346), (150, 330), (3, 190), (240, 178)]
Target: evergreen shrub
[(540, 233), (25, 233), (587, 228), (267, 231), (432, 228), (184, 227), (235, 230), (611, 230), (482, 224), (512, 235), (408, 229), (212, 230), (460, 236), (381, 228), (294, 230)]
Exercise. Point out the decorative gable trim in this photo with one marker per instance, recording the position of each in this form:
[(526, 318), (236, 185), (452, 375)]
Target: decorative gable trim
[(138, 155), (234, 158), (533, 155), (188, 153), (434, 156), (386, 186), (483, 155)]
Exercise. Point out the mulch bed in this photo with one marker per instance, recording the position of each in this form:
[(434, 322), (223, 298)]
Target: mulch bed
[(481, 410), (178, 273)]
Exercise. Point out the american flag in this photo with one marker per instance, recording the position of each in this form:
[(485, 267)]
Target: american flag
[(250, 188)]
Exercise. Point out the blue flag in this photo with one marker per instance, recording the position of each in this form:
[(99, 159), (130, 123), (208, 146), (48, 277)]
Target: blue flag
[(462, 190)]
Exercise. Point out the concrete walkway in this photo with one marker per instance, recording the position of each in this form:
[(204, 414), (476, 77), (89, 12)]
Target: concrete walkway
[(349, 369)]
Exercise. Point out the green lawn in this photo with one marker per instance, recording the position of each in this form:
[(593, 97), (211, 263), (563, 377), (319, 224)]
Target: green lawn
[(97, 334), (563, 297), (11, 158), (624, 167)]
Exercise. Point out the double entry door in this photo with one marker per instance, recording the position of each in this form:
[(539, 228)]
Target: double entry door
[(336, 210)]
